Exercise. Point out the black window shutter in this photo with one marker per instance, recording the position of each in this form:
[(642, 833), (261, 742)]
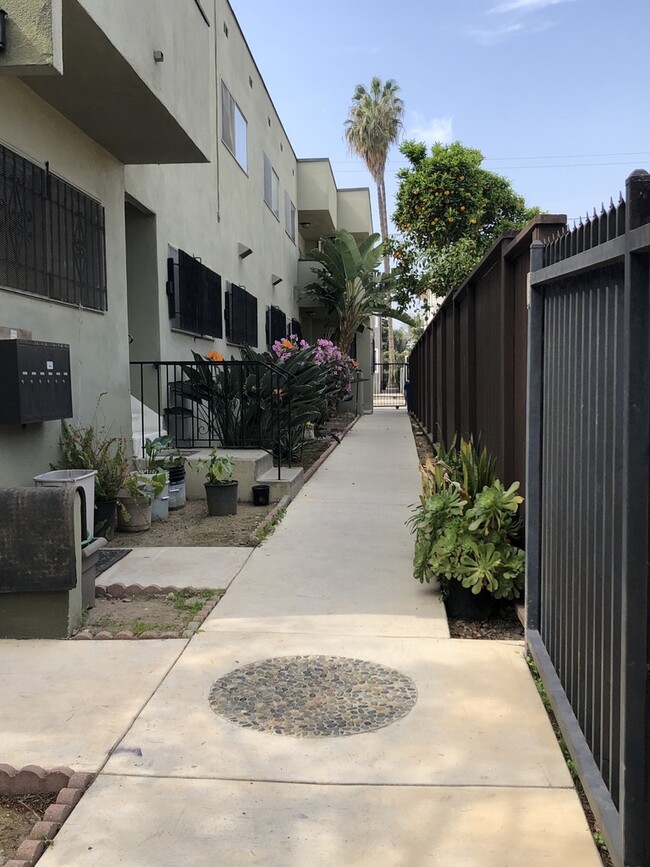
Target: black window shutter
[(213, 312), (296, 329), (188, 295), (251, 320)]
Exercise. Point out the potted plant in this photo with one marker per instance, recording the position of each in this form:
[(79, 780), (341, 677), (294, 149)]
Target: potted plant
[(466, 529), (154, 463), (92, 448), (161, 456), (175, 467), (135, 500), (220, 487)]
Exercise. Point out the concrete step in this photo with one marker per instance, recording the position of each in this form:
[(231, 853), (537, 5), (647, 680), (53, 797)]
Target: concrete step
[(252, 467), (290, 482)]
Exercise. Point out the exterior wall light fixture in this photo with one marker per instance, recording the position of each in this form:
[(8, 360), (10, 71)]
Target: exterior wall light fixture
[(158, 56)]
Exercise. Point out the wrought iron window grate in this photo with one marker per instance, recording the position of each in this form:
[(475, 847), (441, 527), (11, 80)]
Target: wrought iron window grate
[(52, 236)]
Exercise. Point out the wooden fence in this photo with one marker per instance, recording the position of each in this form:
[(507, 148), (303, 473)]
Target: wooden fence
[(468, 370)]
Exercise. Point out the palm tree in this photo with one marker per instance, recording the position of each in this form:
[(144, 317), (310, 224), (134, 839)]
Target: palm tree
[(350, 285), (372, 127)]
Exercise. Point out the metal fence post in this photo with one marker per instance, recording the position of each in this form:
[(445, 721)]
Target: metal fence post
[(635, 690), (534, 423)]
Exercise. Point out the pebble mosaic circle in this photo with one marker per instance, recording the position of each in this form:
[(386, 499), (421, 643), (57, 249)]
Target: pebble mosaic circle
[(313, 696)]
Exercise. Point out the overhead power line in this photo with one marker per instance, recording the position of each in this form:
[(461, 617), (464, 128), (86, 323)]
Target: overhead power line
[(545, 157), (518, 168)]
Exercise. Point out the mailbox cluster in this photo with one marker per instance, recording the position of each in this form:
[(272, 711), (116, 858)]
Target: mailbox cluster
[(34, 381)]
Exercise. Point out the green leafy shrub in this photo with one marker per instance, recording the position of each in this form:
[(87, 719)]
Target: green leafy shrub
[(92, 448), (466, 523), (260, 400)]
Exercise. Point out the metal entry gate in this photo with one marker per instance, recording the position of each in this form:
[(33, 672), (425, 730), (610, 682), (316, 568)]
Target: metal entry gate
[(389, 381)]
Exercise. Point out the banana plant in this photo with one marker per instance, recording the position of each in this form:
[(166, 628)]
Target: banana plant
[(350, 285)]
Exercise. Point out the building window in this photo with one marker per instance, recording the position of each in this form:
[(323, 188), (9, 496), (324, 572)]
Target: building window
[(271, 187), (52, 239), (234, 128), (193, 295), (276, 325), (290, 217), (241, 316)]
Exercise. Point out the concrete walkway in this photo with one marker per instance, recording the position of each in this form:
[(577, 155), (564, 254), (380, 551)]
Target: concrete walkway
[(471, 776)]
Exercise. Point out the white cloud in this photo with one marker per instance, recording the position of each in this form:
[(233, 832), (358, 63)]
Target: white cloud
[(525, 5), (498, 34), (438, 129)]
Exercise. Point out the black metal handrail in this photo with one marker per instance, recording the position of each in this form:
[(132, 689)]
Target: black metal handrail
[(202, 404)]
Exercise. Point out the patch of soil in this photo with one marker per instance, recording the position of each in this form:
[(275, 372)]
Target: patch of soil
[(503, 625), (18, 814), (143, 612), (193, 527)]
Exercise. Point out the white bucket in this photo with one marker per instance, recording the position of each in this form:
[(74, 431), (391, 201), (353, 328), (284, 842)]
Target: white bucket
[(160, 506), (177, 496), (84, 479)]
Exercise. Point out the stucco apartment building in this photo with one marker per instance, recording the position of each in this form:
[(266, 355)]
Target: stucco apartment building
[(151, 203)]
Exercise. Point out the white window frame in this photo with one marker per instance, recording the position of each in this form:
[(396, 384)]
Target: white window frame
[(234, 128), (271, 188), (289, 217)]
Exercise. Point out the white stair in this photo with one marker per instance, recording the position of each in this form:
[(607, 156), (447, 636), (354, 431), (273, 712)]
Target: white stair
[(153, 425)]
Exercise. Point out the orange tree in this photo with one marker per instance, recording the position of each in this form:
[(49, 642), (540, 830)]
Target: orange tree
[(449, 211)]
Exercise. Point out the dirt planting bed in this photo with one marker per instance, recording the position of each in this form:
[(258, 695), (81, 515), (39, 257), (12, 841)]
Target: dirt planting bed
[(134, 612)]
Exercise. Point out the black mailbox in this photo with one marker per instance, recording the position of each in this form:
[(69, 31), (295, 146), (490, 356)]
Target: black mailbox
[(34, 381)]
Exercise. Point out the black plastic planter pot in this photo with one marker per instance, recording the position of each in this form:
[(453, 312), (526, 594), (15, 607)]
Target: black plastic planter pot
[(261, 495), (222, 498), (105, 519), (176, 475), (465, 605)]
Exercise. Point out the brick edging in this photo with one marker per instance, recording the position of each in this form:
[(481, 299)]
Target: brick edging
[(117, 591), (253, 538), (34, 780)]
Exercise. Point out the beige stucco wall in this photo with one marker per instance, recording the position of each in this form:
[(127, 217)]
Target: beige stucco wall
[(137, 28), (98, 342), (355, 211), (34, 40), (208, 210)]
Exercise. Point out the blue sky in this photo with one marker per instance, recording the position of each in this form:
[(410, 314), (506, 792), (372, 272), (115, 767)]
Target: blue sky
[(554, 93)]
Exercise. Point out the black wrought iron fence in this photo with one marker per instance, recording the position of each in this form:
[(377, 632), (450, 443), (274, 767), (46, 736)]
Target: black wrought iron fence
[(587, 514), (232, 404)]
